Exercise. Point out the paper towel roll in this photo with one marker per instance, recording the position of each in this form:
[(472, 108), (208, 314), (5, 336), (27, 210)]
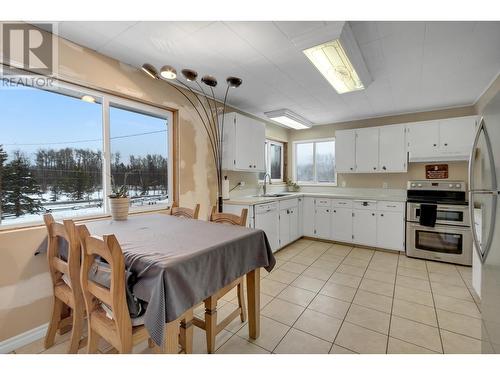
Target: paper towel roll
[(225, 188)]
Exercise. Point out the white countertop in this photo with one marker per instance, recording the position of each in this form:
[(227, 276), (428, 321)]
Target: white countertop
[(251, 200)]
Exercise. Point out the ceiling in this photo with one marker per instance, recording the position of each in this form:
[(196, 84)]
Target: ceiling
[(415, 66)]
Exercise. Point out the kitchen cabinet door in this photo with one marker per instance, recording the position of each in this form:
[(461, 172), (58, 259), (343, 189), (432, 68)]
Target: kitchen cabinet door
[(247, 144), (367, 147), (423, 140), (392, 148), (308, 216), (390, 230), (456, 135), (364, 227), (322, 222), (345, 152), (258, 144), (284, 220), (341, 224), (293, 218)]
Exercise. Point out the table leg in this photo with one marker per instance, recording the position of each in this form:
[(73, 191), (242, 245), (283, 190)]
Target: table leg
[(253, 295)]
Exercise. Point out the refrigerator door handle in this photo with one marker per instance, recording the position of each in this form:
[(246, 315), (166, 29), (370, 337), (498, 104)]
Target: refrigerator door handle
[(487, 244), (482, 129)]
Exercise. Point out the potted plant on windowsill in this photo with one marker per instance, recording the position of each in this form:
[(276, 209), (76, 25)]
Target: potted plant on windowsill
[(119, 201), (292, 186)]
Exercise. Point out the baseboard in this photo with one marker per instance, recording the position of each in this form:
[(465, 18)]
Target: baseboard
[(23, 339)]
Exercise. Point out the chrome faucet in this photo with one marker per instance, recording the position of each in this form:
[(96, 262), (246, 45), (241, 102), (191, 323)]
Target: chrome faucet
[(264, 187)]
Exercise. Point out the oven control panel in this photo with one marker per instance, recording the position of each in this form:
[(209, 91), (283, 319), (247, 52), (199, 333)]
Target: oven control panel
[(436, 185)]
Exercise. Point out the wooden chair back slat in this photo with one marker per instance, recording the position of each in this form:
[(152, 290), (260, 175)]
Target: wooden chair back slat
[(225, 218), (59, 265), (188, 213), (99, 292)]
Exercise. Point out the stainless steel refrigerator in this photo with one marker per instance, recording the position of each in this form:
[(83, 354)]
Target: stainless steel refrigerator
[(484, 186)]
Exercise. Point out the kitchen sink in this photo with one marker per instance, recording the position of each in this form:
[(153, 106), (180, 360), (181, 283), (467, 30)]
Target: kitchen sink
[(277, 195)]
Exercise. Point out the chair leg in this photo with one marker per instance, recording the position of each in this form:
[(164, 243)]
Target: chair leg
[(54, 322), (241, 302), (93, 341), (211, 322), (187, 332), (76, 333)]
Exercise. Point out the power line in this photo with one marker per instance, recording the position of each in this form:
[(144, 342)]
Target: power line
[(83, 140)]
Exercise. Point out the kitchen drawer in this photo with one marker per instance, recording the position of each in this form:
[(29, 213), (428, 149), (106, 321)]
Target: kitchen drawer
[(323, 202), (288, 203), (364, 205), (342, 203), (390, 206), (265, 207)]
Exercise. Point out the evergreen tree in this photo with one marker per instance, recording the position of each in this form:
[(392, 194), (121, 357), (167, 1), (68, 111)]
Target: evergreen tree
[(20, 187), (80, 184), (3, 159)]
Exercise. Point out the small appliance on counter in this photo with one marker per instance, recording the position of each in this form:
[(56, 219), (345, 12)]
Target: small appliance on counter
[(437, 221)]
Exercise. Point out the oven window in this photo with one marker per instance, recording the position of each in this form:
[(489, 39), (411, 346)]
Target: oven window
[(457, 216), (449, 243)]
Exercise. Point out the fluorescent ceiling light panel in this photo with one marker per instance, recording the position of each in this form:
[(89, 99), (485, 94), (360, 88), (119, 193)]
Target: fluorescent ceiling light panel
[(289, 119), (340, 62)]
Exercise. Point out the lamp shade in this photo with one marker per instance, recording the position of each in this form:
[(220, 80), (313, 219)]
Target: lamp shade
[(234, 81), (209, 81), (189, 74), (150, 70), (168, 72)]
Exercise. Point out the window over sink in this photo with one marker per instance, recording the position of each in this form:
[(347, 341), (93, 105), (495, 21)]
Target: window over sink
[(314, 162), (274, 158)]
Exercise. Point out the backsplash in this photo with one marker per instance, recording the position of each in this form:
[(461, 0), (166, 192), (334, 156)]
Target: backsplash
[(360, 183)]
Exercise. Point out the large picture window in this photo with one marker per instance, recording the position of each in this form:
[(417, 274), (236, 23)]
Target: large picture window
[(315, 161), (53, 151)]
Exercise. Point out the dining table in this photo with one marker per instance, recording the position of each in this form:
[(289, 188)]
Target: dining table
[(180, 262)]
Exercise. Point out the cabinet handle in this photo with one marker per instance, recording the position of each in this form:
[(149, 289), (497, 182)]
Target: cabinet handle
[(250, 166), (384, 168), (446, 144), (351, 168), (373, 214), (254, 166), (381, 214), (434, 145), (374, 168)]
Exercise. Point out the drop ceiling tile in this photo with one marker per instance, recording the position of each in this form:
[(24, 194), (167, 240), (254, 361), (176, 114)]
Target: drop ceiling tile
[(374, 58), (365, 31), (293, 29)]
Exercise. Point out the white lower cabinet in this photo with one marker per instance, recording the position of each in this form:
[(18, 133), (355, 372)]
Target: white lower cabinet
[(341, 224), (364, 227), (308, 213), (390, 230), (322, 223)]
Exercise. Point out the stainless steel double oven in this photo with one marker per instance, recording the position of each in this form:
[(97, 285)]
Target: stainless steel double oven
[(450, 238)]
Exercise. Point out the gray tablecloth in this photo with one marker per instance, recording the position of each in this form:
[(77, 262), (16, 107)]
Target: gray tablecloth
[(180, 262)]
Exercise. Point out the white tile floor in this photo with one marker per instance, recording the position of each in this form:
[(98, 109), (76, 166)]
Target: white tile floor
[(330, 298)]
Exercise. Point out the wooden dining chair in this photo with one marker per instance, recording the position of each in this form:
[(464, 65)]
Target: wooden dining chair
[(188, 213), (115, 325), (65, 275), (209, 323)]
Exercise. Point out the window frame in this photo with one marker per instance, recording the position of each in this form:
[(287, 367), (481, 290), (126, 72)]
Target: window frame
[(267, 160), (107, 100), (315, 181)]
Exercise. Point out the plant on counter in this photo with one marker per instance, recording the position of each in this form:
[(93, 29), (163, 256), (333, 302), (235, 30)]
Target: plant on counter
[(292, 186)]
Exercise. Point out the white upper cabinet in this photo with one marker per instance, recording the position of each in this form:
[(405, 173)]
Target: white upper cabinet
[(367, 150), (244, 143), (441, 140), (423, 139), (456, 135), (345, 151), (392, 148)]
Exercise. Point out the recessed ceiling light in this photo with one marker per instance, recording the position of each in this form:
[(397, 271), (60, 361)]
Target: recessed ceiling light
[(88, 98), (331, 60), (289, 119)]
